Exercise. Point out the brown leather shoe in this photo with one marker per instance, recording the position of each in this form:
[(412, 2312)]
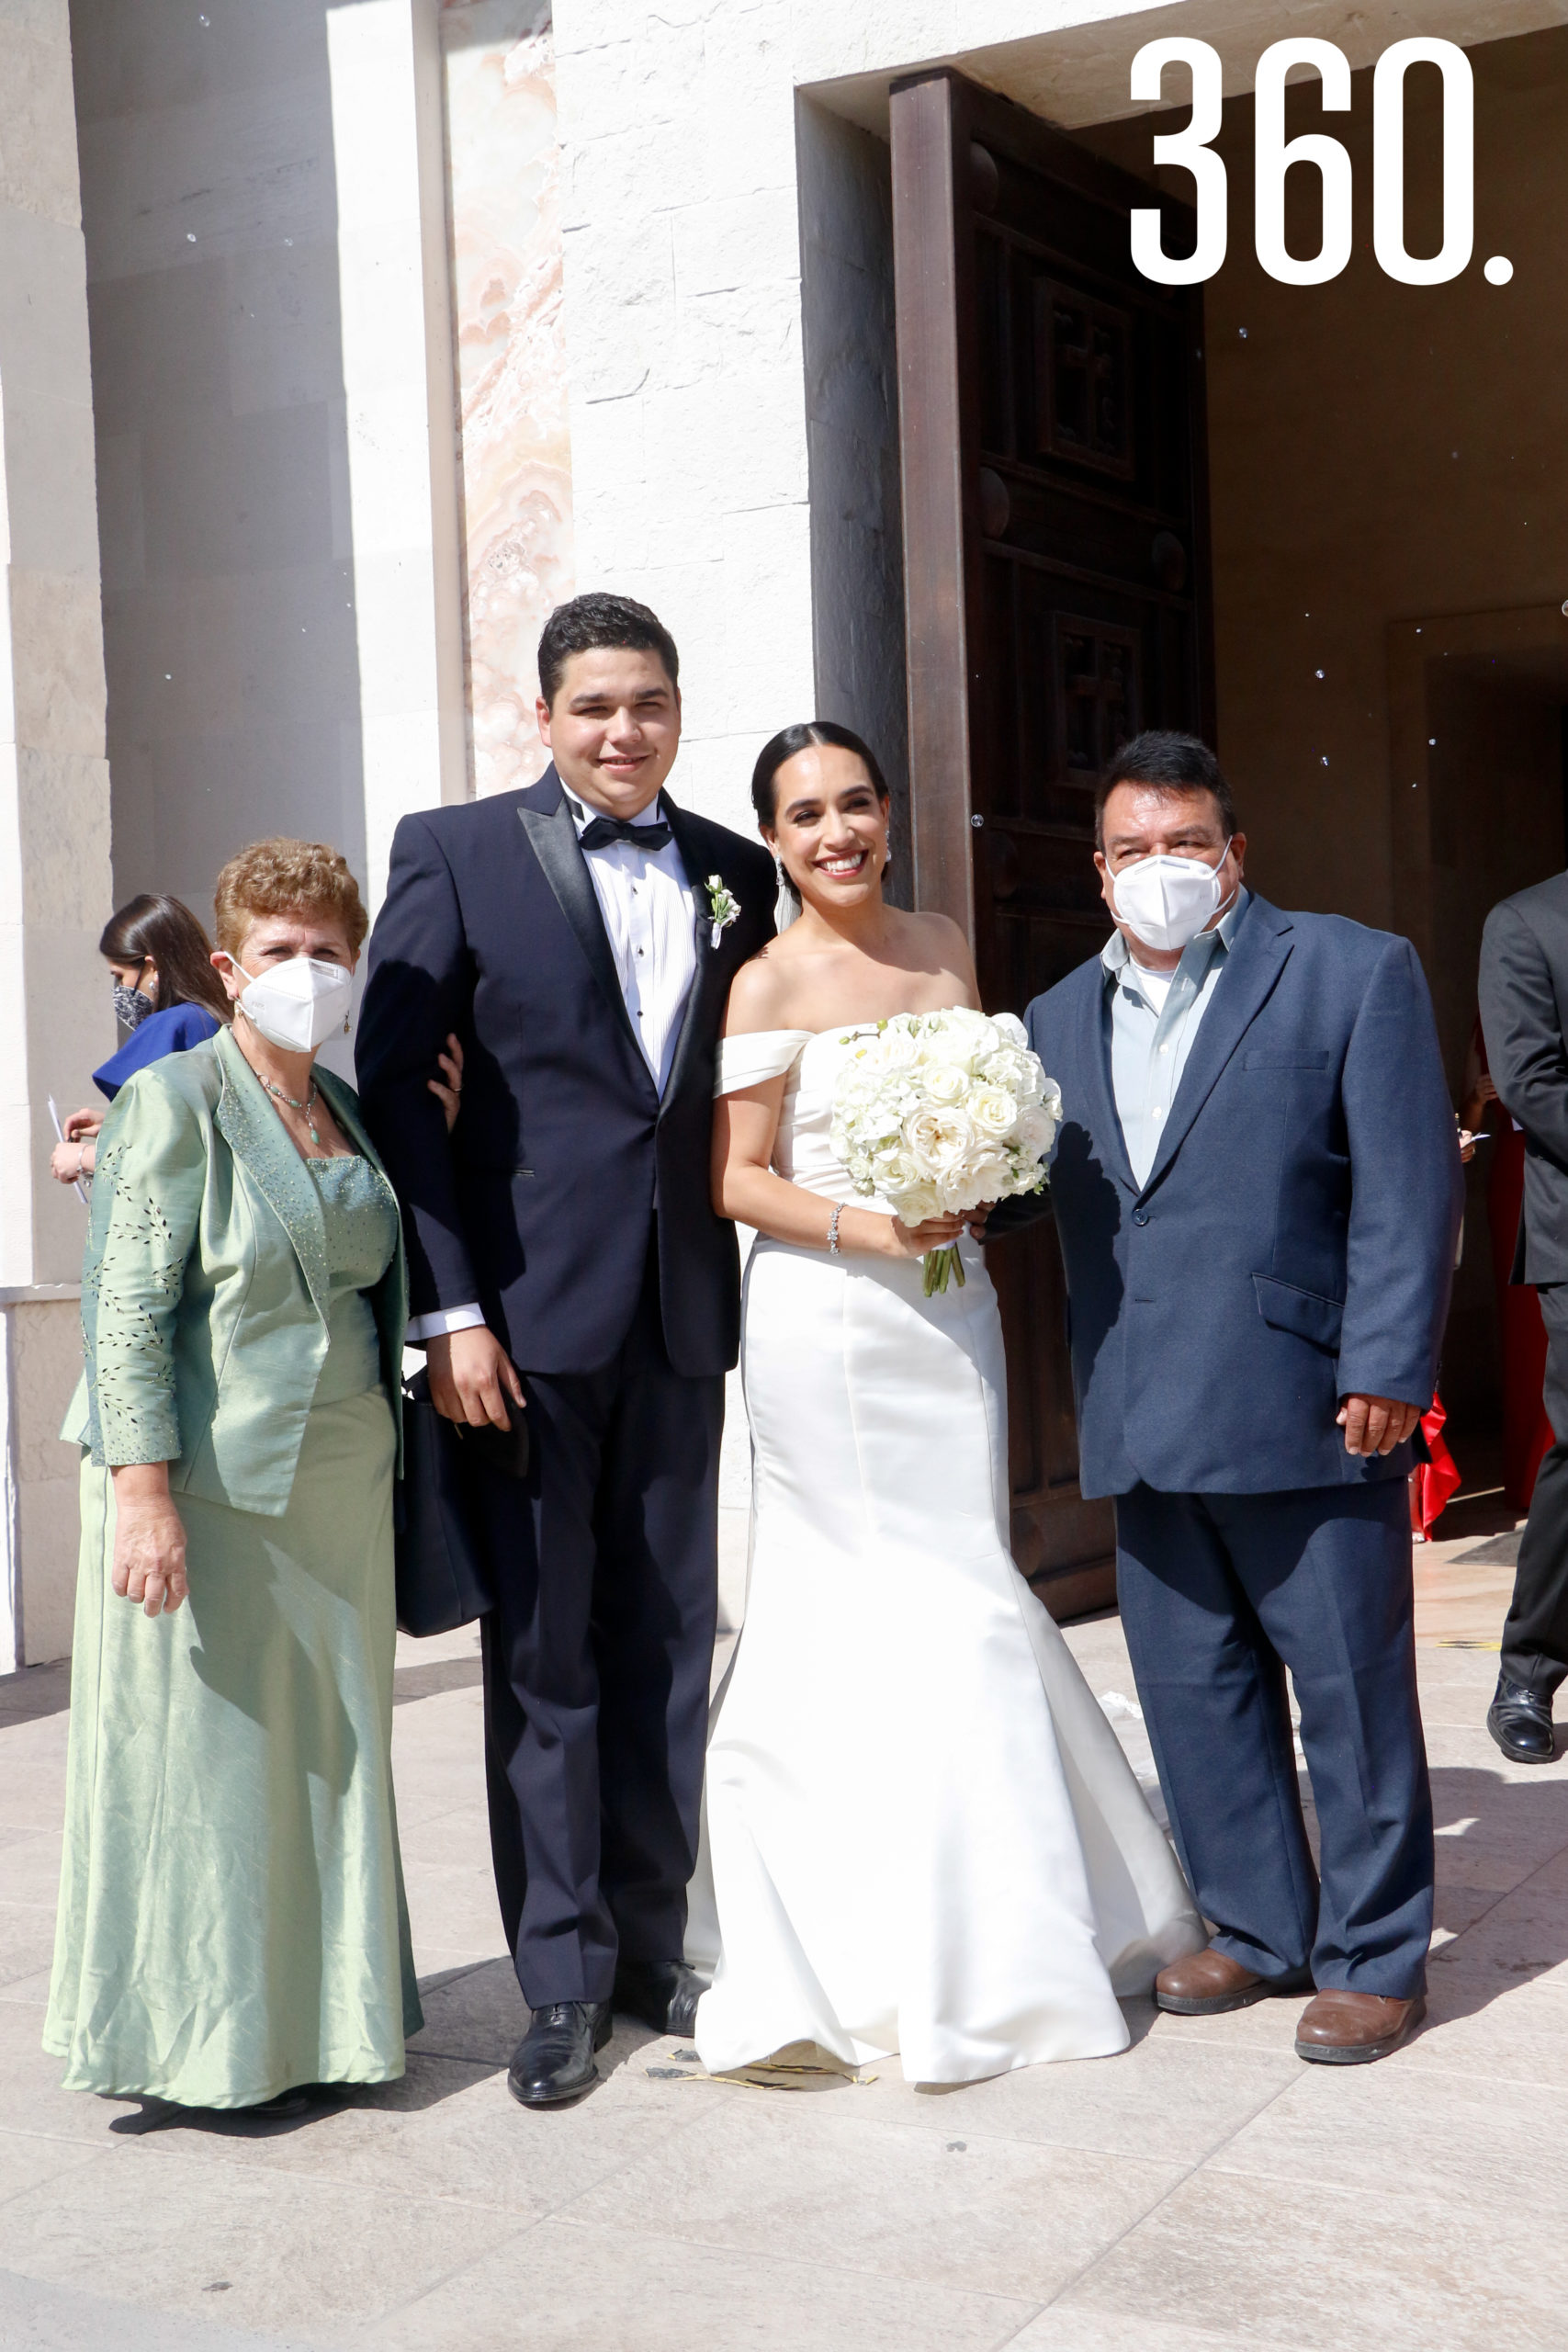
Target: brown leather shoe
[(1209, 1982), (1343, 2029)]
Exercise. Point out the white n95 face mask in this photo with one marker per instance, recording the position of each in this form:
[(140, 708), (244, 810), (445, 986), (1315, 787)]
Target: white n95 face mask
[(1168, 900), (298, 1006)]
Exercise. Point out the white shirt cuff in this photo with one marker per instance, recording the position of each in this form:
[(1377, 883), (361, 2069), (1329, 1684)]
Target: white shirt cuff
[(445, 1319)]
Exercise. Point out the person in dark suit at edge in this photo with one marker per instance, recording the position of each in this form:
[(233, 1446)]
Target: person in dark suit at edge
[(1523, 986), (579, 937), (1257, 1192)]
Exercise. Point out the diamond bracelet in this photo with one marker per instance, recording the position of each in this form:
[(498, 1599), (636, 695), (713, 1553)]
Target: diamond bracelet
[(833, 1249)]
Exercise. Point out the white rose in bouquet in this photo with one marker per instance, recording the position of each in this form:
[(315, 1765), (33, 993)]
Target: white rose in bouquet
[(892, 1049), (943, 1081), (1038, 1123), (1008, 1068), (897, 1171), (993, 1111), (978, 1175), (939, 1113), (938, 1137)]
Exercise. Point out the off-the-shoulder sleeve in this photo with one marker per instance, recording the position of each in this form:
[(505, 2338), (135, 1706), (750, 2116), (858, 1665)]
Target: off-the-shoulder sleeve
[(752, 1059)]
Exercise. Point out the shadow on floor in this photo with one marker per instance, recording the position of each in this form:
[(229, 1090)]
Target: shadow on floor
[(35, 1690), (1493, 1956), (1500, 1551), (428, 1680), (486, 2010)]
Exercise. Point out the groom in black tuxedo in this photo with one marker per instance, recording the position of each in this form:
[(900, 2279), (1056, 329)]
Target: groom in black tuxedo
[(579, 937)]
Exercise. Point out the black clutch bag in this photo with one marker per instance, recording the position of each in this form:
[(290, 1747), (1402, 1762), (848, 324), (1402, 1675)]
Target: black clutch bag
[(443, 1568)]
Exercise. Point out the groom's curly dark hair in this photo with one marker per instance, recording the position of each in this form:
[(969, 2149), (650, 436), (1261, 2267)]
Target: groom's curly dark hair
[(588, 622)]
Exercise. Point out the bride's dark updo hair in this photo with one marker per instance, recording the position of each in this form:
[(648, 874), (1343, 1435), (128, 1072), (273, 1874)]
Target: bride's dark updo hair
[(811, 733)]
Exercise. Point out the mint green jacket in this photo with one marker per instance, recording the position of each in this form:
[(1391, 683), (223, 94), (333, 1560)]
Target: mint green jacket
[(205, 1287)]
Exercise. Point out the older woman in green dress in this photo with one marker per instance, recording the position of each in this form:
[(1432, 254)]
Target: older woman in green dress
[(231, 1916)]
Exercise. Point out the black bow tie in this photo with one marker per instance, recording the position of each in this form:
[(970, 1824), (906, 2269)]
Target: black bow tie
[(602, 831)]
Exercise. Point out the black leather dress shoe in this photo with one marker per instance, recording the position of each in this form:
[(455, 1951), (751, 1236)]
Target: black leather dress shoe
[(554, 2061), (662, 1992), (1520, 1723)]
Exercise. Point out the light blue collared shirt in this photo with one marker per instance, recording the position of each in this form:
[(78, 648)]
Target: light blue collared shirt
[(1153, 1027)]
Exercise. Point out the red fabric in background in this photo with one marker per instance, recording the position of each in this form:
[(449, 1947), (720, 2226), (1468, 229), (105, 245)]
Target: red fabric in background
[(1527, 1432), (1434, 1483)]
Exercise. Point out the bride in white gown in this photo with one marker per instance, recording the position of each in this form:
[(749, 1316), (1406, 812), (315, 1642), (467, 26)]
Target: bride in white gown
[(919, 1832)]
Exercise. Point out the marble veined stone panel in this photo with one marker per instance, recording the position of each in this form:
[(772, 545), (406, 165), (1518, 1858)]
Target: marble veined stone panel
[(506, 285)]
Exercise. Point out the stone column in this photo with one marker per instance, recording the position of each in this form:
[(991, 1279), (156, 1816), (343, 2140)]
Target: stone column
[(384, 66), (54, 811)]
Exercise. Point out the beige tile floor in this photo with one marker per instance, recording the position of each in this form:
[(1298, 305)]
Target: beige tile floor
[(1205, 2191)]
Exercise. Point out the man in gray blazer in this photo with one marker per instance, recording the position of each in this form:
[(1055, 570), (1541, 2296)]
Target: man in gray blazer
[(1523, 986), (1256, 1188)]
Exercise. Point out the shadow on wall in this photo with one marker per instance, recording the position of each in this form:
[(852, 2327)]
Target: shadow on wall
[(852, 384), (210, 212)]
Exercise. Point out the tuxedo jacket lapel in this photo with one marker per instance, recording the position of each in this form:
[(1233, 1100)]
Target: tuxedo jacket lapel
[(1252, 968), (553, 836), (705, 979)]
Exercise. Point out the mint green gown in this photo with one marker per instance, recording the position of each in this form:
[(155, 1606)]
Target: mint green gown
[(231, 1914)]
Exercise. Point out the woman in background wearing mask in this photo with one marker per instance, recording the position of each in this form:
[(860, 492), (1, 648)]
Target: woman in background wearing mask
[(231, 1918), (166, 993)]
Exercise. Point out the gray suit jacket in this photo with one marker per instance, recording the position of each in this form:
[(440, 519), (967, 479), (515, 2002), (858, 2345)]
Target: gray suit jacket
[(1293, 1242), (1524, 997)]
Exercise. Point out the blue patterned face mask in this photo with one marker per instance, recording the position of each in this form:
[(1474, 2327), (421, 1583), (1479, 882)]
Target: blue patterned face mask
[(130, 1007)]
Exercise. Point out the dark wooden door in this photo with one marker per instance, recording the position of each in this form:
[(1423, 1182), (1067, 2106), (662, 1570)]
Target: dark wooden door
[(1057, 570)]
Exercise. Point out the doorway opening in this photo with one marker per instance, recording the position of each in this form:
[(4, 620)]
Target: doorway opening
[(1321, 525), (1479, 740)]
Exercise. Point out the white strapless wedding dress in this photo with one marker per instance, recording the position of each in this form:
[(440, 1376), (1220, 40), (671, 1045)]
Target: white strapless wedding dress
[(919, 1832)]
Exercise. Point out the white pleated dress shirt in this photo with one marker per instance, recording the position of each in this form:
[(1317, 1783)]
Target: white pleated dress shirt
[(650, 915)]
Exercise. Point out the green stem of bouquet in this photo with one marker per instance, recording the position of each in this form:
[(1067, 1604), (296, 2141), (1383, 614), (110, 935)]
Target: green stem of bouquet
[(939, 1266)]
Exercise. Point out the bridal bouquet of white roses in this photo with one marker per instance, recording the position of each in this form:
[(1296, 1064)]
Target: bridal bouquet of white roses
[(936, 1113)]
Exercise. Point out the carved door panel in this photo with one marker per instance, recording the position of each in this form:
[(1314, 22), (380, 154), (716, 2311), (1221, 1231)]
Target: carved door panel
[(1056, 567)]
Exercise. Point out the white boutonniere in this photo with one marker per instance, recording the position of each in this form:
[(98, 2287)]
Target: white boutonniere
[(722, 909)]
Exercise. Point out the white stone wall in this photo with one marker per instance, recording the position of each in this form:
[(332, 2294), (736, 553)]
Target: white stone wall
[(683, 330), (54, 835), (688, 194)]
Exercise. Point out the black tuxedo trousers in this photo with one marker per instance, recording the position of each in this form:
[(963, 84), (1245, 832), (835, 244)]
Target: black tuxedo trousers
[(596, 1663)]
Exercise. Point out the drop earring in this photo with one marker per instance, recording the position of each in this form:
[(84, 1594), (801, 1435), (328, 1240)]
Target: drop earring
[(786, 906)]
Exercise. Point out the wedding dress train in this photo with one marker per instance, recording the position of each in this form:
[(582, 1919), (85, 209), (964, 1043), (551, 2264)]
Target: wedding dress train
[(919, 1832)]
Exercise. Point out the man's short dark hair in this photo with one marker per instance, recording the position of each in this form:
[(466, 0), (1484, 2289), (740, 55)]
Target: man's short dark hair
[(1165, 762), (588, 622)]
